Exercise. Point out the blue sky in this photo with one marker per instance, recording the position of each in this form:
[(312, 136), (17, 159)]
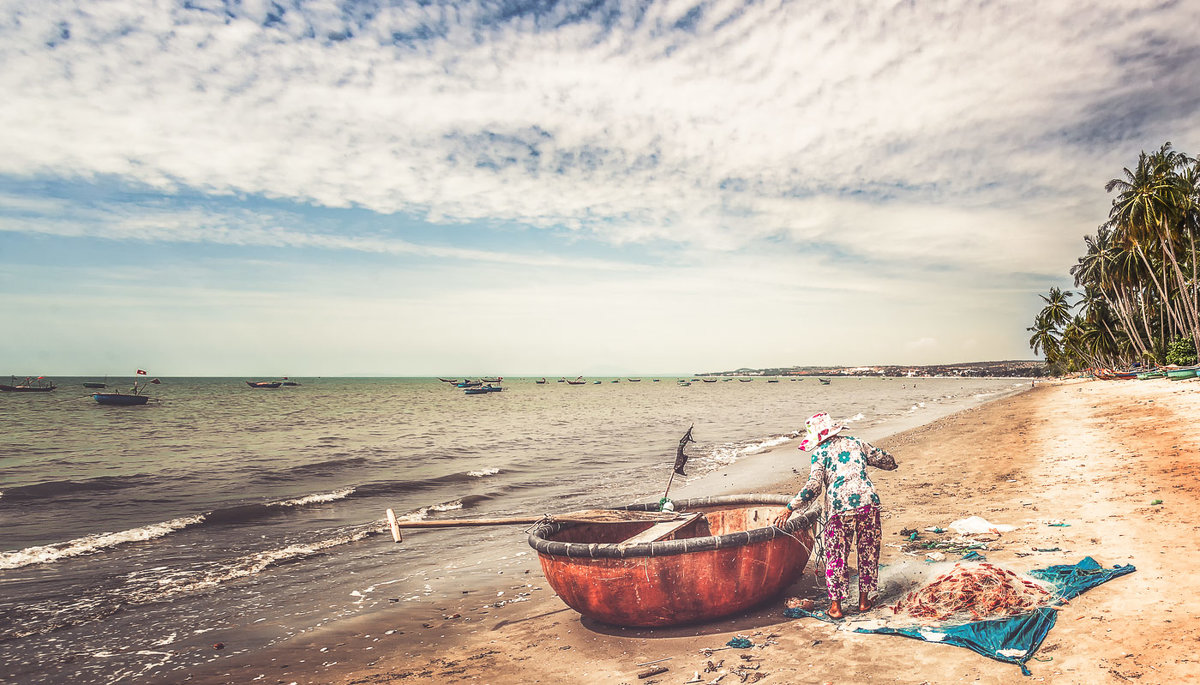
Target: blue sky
[(415, 188)]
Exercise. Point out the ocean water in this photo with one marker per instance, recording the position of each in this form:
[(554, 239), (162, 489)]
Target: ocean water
[(133, 538)]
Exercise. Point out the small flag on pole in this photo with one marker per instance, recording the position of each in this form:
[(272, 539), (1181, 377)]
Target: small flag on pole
[(680, 456), (141, 373)]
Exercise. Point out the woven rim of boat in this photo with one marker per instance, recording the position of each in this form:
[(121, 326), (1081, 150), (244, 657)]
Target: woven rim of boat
[(609, 550)]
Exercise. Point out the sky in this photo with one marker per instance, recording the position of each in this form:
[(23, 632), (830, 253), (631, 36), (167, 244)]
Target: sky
[(295, 187)]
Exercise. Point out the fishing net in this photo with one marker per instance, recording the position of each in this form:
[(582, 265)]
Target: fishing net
[(974, 592)]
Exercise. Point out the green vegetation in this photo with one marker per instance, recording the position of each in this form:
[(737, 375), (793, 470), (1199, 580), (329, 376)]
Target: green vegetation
[(1137, 281)]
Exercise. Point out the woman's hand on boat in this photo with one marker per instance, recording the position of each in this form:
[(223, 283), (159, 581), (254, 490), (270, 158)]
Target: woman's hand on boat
[(782, 517)]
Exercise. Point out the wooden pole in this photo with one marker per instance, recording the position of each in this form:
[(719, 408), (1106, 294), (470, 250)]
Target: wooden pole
[(454, 523)]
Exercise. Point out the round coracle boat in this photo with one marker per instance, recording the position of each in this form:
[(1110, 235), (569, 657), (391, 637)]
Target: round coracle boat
[(722, 555)]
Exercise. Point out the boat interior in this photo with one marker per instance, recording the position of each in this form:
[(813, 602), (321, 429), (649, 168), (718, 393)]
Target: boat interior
[(698, 523)]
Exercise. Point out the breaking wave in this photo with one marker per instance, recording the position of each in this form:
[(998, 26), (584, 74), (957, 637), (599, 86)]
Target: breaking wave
[(98, 542), (89, 544)]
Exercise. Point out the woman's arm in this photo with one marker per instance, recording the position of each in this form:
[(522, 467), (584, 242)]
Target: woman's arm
[(816, 480)]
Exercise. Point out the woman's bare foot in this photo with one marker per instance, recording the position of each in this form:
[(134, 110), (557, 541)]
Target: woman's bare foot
[(835, 610), (865, 605)]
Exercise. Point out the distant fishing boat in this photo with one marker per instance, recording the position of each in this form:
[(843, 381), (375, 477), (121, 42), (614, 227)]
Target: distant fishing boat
[(824, 381), (497, 379), (96, 384), (287, 384), (634, 380), (709, 380), (39, 384), (773, 380), (481, 390), (615, 380), (745, 380), (541, 382), (577, 382), (116, 399), (264, 384), (447, 380), (468, 384), (595, 382), (134, 398)]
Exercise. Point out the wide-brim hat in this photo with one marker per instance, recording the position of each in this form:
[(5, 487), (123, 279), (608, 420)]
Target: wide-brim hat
[(818, 428)]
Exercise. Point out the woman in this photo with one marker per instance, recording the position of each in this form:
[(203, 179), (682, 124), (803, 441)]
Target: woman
[(839, 465)]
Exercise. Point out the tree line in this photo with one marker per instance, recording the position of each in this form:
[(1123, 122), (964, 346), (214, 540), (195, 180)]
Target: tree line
[(1136, 282)]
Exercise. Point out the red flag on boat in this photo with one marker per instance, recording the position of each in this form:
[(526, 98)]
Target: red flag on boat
[(156, 381), (141, 373)]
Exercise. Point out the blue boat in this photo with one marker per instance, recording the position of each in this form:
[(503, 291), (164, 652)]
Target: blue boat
[(481, 390), (116, 399)]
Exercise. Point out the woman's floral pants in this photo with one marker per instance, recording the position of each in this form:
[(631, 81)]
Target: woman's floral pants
[(861, 524)]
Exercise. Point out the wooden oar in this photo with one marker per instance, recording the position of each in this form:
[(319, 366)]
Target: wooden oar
[(587, 516)]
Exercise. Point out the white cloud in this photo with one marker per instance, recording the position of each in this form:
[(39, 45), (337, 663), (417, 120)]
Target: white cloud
[(905, 166), (856, 111)]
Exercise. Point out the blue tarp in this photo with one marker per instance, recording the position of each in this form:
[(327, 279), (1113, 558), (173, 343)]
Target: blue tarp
[(1013, 640)]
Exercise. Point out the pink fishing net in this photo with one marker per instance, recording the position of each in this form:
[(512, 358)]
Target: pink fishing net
[(974, 592)]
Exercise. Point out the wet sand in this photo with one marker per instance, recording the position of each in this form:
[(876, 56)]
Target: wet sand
[(1093, 454)]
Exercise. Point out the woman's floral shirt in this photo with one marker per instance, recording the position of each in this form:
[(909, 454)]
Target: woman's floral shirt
[(840, 466)]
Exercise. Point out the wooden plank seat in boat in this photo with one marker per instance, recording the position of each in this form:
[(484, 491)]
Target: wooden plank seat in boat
[(661, 530)]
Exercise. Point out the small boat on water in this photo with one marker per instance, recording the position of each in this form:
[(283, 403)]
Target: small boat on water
[(773, 380), (577, 382), (447, 380), (595, 382), (116, 399), (264, 384), (634, 380), (468, 384), (30, 384), (745, 380), (824, 381), (709, 380), (721, 556), (497, 379), (96, 384), (541, 381)]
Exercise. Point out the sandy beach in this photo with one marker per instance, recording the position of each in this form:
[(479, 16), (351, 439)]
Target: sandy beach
[(1092, 454)]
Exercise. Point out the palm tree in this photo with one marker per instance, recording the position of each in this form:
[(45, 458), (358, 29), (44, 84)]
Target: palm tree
[(1138, 278), (1150, 202), (1044, 338)]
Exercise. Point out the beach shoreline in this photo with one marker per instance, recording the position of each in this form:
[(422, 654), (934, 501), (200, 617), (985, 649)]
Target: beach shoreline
[(1007, 460)]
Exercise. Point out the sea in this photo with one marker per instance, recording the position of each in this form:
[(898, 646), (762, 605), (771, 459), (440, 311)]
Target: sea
[(134, 539)]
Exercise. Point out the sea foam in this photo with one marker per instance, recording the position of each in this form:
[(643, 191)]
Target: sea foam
[(89, 544), (315, 499)]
